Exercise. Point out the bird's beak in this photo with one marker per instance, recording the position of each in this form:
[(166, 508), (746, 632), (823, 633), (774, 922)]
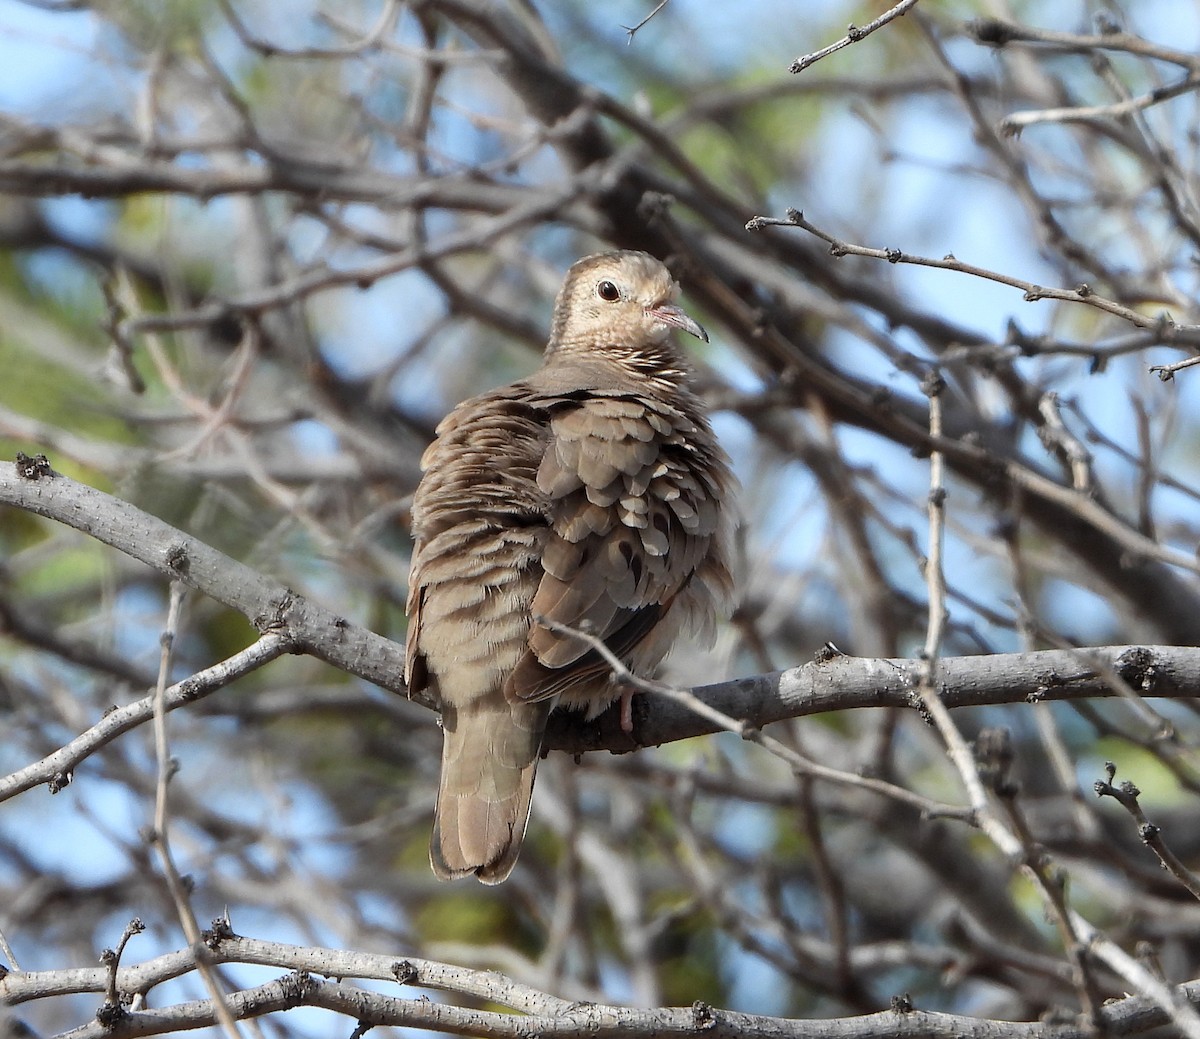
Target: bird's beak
[(669, 314)]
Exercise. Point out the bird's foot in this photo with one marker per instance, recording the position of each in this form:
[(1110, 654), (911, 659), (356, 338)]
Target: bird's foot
[(627, 709)]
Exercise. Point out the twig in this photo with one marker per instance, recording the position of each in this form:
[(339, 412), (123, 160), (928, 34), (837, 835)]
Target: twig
[(753, 734), (1126, 795), (9, 955), (632, 30), (178, 887), (995, 755), (1128, 1016), (323, 279), (935, 576), (482, 985), (57, 768), (268, 605), (369, 39), (1054, 434), (932, 704), (1166, 372), (113, 1007), (1015, 840), (1015, 123), (1171, 998), (1077, 932), (611, 1022), (1163, 324), (994, 32), (853, 34)]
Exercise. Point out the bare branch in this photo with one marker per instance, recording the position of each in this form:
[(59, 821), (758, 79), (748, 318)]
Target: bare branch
[(854, 34), (632, 29), (1163, 325), (292, 623)]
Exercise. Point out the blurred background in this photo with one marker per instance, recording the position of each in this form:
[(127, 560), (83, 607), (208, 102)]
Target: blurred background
[(251, 253)]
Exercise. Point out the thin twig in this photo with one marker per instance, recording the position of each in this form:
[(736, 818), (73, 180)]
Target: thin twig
[(1171, 998), (927, 687), (1077, 932), (9, 955), (994, 32), (1054, 434), (57, 768), (1126, 795), (368, 40), (632, 29), (113, 1007), (1166, 372), (176, 884), (1015, 123), (752, 734), (853, 34), (1163, 324)]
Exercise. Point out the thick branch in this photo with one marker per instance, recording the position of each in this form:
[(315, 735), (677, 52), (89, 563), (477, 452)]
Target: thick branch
[(844, 683), (838, 684), (45, 179), (268, 605), (542, 1014)]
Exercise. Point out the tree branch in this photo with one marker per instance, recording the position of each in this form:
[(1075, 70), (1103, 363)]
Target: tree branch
[(272, 608), (835, 684), (537, 1013)]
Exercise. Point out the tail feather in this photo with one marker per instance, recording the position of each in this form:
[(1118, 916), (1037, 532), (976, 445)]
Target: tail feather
[(489, 761)]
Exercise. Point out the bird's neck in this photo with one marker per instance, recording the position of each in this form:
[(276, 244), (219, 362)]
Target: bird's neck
[(658, 365)]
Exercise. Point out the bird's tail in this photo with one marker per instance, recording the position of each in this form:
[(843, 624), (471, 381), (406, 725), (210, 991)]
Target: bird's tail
[(489, 760)]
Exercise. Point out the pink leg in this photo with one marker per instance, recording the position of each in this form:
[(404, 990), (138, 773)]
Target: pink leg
[(627, 710)]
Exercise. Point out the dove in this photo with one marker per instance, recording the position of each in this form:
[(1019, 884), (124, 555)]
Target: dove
[(591, 496)]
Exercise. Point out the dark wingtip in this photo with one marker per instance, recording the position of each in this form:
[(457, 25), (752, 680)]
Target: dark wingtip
[(497, 872)]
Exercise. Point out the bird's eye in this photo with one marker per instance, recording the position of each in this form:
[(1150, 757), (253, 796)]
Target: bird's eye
[(608, 292)]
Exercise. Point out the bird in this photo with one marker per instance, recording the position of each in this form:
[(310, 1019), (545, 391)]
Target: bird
[(591, 496)]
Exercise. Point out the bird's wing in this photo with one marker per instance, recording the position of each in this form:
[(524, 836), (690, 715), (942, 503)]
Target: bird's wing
[(635, 488)]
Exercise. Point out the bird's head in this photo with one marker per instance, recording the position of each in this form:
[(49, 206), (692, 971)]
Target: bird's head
[(619, 300)]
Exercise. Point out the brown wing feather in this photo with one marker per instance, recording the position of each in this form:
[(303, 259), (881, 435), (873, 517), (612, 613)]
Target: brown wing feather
[(633, 519)]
